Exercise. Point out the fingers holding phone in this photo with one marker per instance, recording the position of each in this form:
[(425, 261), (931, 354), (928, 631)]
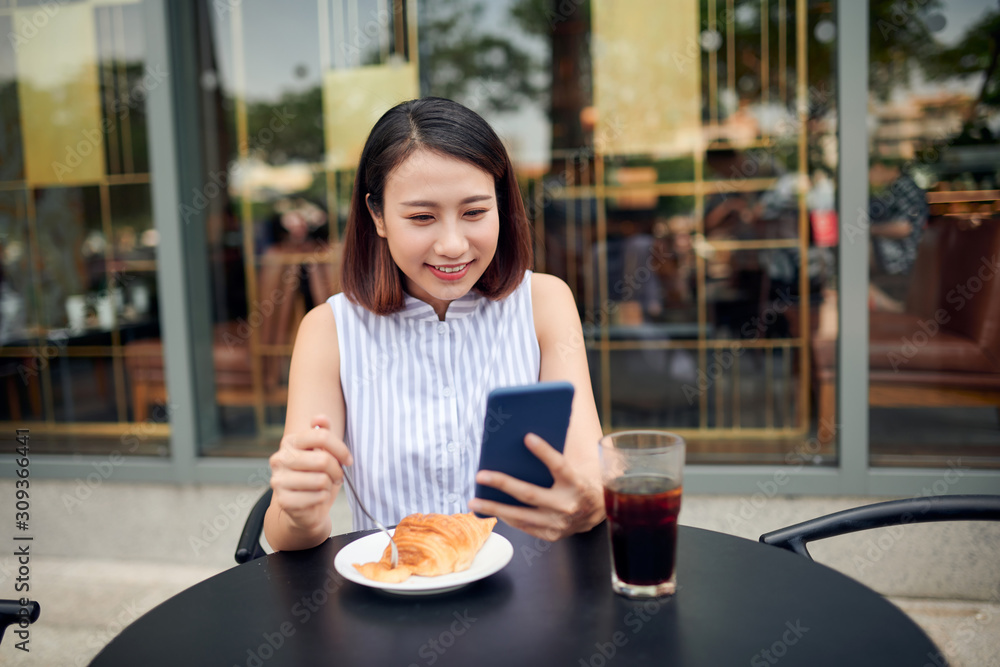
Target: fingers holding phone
[(511, 413), (549, 513)]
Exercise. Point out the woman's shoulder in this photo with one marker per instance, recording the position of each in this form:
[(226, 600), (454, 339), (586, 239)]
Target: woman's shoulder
[(318, 328), (322, 312), (552, 302), (546, 289)]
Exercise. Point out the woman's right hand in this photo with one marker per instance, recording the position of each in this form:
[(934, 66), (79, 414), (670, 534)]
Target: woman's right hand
[(306, 475)]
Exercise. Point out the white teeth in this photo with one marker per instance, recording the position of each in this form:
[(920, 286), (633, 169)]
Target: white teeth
[(450, 269)]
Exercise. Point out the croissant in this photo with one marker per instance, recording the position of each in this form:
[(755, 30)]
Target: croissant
[(430, 545)]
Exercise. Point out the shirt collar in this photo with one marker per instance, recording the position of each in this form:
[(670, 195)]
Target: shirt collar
[(418, 310)]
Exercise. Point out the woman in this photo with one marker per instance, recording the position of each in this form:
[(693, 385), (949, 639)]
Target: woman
[(439, 307)]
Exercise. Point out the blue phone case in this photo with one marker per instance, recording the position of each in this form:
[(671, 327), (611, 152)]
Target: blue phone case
[(511, 414)]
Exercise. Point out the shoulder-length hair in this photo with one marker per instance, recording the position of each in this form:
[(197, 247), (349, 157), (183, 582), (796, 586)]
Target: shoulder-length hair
[(369, 276)]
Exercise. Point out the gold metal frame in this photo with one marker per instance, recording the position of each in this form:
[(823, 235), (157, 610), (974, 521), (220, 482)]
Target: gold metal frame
[(331, 176), (110, 22), (699, 188)]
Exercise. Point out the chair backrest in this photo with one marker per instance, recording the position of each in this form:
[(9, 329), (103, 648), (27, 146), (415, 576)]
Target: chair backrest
[(891, 513), (280, 287), (248, 548), (277, 293), (12, 612)]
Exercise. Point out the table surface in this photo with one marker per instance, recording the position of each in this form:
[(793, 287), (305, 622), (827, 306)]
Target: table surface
[(738, 603)]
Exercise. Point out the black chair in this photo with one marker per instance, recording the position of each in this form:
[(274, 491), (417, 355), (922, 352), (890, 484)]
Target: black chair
[(880, 515), (11, 613), (249, 548)]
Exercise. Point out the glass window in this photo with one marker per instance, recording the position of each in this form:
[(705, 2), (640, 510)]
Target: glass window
[(690, 234), (934, 234), (677, 161), (77, 236)]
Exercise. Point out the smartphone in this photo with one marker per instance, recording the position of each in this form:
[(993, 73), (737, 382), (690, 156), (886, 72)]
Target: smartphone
[(512, 413)]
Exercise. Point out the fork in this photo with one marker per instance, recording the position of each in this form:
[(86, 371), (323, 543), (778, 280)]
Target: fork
[(378, 524)]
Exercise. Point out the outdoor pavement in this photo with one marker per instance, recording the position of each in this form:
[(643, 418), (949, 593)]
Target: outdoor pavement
[(951, 588)]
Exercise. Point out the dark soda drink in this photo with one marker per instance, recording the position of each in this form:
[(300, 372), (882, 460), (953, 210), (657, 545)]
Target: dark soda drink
[(642, 518)]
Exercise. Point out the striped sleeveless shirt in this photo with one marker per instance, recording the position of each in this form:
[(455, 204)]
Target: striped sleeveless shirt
[(415, 390)]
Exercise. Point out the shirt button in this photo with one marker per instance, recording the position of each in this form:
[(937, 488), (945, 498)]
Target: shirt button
[(446, 391), (442, 328), (452, 498), (452, 447)]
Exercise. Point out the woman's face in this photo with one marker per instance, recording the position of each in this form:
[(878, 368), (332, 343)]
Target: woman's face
[(441, 221)]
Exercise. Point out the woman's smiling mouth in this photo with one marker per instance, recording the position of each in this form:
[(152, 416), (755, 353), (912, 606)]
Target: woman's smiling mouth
[(449, 271)]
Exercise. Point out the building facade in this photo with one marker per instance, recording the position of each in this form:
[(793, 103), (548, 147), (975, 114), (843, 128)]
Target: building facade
[(776, 216)]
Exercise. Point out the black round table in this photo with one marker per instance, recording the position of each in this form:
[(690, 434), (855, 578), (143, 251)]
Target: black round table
[(738, 603)]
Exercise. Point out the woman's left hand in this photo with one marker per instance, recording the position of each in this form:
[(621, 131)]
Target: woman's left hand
[(573, 504)]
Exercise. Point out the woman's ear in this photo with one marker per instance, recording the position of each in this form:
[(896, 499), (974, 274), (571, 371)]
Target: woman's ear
[(379, 222)]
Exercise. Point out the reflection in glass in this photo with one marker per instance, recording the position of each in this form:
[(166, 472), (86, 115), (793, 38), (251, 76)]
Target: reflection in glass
[(934, 232), (78, 237), (12, 164), (678, 226)]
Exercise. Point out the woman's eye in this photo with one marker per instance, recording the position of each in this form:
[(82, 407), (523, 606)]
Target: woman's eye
[(475, 212), (421, 218)]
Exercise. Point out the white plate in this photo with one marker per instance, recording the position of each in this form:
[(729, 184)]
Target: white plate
[(494, 555)]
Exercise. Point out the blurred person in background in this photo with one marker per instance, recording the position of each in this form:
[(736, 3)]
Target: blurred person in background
[(898, 212)]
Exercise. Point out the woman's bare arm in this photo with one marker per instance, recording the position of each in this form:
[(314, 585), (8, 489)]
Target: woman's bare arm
[(306, 470)]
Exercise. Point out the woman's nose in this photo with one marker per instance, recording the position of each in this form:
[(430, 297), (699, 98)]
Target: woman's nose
[(451, 242)]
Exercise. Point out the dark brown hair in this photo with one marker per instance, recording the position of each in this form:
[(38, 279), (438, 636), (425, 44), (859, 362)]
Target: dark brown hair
[(369, 276)]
